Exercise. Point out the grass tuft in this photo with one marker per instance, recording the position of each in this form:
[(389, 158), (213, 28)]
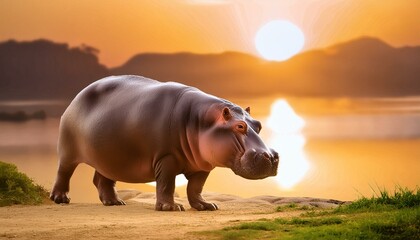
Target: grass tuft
[(17, 188), (292, 206), (401, 198), (286, 207)]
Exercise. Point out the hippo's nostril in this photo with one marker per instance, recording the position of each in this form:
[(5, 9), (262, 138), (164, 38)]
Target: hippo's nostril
[(275, 156), (266, 155)]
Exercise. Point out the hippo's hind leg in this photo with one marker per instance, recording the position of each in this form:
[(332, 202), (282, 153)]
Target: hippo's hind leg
[(62, 182), (68, 161), (106, 190)]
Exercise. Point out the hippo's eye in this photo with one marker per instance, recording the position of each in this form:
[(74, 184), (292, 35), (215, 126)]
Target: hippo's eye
[(241, 127)]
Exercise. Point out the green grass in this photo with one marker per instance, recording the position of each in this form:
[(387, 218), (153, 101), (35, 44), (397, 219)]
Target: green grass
[(383, 216), (17, 188), (292, 207), (401, 198)]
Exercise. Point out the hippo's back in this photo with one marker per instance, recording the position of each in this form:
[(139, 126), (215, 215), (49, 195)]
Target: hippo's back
[(119, 91), (125, 95)]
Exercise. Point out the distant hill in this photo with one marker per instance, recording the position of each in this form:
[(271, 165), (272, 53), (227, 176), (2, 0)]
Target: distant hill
[(45, 70), (365, 67), (224, 74)]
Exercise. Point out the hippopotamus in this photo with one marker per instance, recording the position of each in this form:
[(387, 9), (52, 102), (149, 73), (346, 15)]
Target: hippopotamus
[(138, 130)]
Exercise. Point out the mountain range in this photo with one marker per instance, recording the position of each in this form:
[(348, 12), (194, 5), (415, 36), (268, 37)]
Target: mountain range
[(364, 67)]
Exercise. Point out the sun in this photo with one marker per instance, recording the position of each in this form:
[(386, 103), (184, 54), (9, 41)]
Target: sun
[(279, 40)]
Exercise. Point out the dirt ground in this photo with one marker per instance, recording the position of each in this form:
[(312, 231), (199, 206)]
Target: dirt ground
[(138, 219)]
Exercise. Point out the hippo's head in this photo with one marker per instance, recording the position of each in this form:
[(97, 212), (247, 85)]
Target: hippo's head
[(230, 139)]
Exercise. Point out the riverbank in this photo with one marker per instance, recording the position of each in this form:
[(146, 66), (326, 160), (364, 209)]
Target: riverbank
[(138, 219)]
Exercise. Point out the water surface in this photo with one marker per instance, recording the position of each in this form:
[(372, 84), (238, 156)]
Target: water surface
[(343, 155)]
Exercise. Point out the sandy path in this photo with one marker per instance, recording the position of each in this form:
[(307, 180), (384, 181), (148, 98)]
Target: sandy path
[(136, 220)]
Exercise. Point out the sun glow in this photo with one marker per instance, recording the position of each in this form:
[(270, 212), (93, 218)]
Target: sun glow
[(279, 40), (180, 180), (286, 138)]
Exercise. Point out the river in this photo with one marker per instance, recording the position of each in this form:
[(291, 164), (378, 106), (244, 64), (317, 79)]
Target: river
[(333, 153)]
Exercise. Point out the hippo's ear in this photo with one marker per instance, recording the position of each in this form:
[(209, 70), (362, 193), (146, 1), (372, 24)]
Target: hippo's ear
[(226, 114), (248, 110)]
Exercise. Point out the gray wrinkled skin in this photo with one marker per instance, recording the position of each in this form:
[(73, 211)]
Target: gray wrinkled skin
[(138, 130)]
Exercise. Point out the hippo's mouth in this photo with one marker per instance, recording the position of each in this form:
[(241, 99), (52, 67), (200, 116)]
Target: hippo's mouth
[(253, 165)]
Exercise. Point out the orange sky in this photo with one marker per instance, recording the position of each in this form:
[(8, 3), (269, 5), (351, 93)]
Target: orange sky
[(120, 29)]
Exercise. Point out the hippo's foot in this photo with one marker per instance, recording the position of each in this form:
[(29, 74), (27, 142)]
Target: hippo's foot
[(106, 190), (194, 188), (169, 207), (204, 206), (112, 201), (59, 197)]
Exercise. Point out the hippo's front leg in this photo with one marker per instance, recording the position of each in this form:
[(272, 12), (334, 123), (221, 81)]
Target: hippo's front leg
[(165, 172), (195, 187)]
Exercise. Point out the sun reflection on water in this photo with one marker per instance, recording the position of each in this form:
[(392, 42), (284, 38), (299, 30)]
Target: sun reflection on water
[(287, 139)]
